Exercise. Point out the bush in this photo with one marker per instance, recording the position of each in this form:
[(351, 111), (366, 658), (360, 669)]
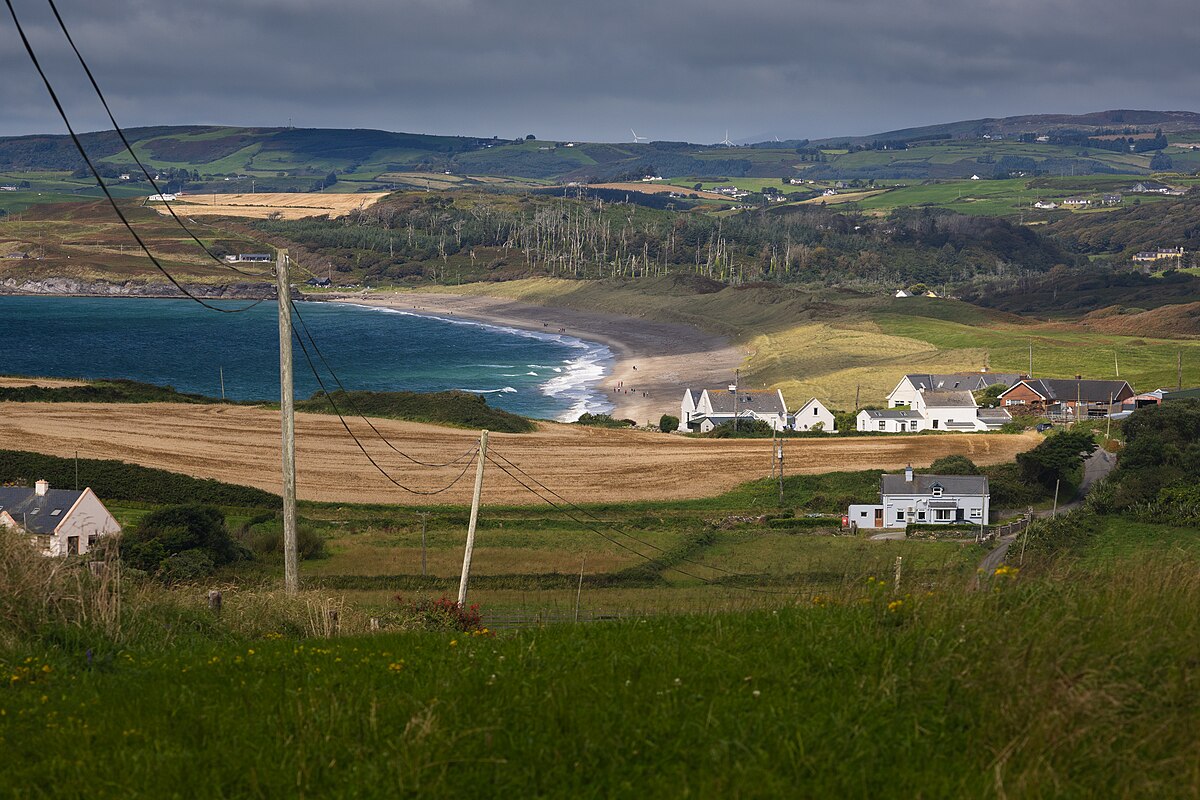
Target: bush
[(668, 423), (443, 614), (954, 465), (174, 530), (186, 566), (1057, 457), (749, 428), (266, 539), (603, 421), (116, 480)]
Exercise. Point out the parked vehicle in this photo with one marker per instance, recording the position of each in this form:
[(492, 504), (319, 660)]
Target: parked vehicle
[(1044, 426)]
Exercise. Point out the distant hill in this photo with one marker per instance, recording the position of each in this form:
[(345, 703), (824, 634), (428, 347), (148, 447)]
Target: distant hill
[(1042, 124), (211, 158)]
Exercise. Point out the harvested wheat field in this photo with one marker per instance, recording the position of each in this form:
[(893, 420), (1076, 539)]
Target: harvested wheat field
[(657, 188), (240, 444), (288, 205)]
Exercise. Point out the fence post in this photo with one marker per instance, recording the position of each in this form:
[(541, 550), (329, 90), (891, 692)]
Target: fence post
[(331, 622), (214, 602), (373, 624)]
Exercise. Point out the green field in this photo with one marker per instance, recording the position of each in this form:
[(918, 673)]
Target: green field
[(1064, 678)]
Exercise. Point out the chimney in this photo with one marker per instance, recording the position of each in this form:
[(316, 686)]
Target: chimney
[(40, 488), (908, 475)]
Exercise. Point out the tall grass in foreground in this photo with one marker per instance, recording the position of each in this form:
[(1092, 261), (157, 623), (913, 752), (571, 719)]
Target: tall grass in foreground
[(1073, 682)]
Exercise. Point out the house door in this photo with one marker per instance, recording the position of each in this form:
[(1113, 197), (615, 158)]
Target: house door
[(72, 545), (879, 518)]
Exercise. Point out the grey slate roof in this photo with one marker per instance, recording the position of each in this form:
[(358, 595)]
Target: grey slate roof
[(36, 513), (892, 413), (964, 381), (948, 399), (764, 402), (1068, 389), (923, 484)]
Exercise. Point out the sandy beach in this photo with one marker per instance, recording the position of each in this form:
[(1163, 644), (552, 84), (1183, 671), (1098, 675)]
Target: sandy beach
[(655, 361)]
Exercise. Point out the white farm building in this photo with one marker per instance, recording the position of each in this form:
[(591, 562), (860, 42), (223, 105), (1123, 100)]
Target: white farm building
[(62, 522), (926, 499)]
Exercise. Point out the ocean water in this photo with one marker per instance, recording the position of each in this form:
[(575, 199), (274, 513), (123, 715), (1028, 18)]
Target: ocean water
[(179, 343)]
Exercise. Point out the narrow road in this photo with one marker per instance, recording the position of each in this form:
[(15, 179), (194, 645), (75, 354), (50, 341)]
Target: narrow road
[(1095, 467)]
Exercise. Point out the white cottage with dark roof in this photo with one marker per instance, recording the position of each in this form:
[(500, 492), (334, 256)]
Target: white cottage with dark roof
[(926, 499), (704, 409), (61, 522)]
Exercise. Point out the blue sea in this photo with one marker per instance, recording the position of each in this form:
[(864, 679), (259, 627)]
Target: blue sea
[(181, 344)]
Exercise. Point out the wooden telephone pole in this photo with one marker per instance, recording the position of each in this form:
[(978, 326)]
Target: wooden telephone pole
[(470, 548), (287, 418)]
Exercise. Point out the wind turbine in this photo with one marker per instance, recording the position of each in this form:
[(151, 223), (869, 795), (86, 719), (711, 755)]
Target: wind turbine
[(638, 139), (726, 141)]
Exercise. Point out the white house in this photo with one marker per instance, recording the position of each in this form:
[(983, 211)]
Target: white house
[(812, 414), (161, 198), (61, 521), (704, 409), (1046, 204), (940, 409), (926, 499), (905, 393)]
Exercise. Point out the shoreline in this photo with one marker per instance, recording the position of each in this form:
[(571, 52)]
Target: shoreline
[(652, 361)]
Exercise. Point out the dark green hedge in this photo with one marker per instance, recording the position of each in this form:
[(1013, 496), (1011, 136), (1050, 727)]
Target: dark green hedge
[(461, 409), (116, 480), (105, 391)]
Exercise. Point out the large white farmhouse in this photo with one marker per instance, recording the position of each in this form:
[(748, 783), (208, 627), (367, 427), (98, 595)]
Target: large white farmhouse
[(905, 393), (934, 410), (62, 522), (703, 409), (932, 499)]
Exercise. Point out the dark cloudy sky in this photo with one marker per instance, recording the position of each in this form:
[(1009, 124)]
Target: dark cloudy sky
[(672, 69)]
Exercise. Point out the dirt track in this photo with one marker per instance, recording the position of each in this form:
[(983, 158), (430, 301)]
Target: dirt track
[(241, 445)]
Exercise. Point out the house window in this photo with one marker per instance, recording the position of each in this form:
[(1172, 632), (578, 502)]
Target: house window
[(1014, 402), (899, 516), (935, 424), (862, 513), (977, 512), (882, 425), (921, 516), (942, 515), (814, 411), (912, 426), (936, 491)]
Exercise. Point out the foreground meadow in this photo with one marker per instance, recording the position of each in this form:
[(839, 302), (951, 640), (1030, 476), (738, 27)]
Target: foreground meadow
[(1068, 683)]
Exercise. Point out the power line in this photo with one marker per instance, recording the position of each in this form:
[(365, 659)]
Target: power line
[(96, 173), (618, 543), (374, 463), (613, 526), (354, 407), (104, 102)]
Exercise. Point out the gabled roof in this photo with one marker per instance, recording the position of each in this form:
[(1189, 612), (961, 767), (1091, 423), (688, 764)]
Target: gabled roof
[(923, 484), (1069, 389), (809, 403), (967, 381), (948, 399), (892, 413), (35, 512), (768, 401)]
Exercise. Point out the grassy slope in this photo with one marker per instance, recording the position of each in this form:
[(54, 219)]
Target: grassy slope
[(832, 346), (1080, 687)]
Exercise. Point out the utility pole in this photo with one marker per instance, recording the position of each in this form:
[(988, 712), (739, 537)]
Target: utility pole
[(1116, 366), (221, 369), (1179, 372), (736, 377), (424, 568), (466, 568), (773, 452), (1054, 513), (1031, 357), (77, 470), (287, 419), (779, 452)]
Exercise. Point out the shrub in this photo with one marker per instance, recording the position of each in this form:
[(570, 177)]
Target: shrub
[(668, 423), (750, 428), (1057, 457), (116, 480), (443, 614), (266, 539), (603, 421), (186, 566), (954, 465), (174, 530)]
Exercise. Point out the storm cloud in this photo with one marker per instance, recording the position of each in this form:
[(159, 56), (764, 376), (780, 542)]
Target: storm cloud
[(672, 69)]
